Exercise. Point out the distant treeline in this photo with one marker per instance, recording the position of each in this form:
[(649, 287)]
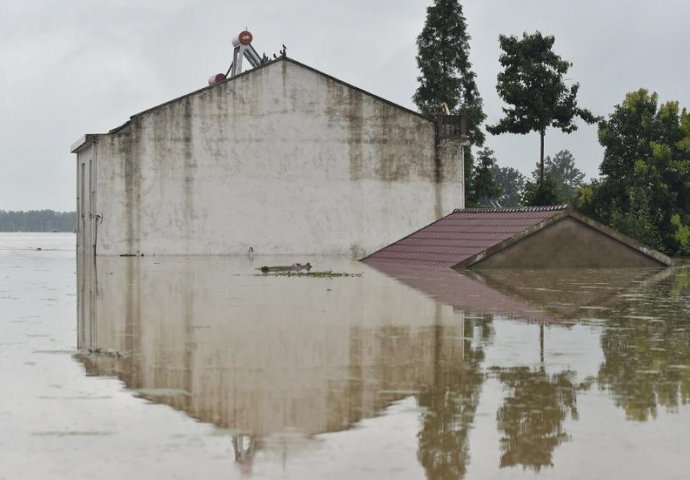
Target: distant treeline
[(37, 221)]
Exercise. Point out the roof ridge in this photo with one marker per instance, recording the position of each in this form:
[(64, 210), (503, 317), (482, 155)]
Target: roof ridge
[(546, 208), (260, 67)]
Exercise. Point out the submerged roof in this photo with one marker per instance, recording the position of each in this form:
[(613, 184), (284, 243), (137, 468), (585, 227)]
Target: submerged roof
[(470, 294), (469, 236), (462, 235)]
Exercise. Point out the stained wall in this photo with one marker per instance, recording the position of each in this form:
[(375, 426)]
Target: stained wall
[(282, 159)]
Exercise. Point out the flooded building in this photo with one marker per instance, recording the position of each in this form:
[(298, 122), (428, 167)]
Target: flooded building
[(280, 159), (527, 237)]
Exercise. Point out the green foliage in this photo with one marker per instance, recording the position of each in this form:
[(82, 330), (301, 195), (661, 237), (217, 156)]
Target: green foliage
[(681, 234), (584, 198), (532, 84), (538, 193), (37, 221), (639, 225), (645, 185), (483, 180), (446, 71), (568, 178), (562, 180), (511, 183)]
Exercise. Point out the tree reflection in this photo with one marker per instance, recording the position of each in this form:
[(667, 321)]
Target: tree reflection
[(532, 415), (451, 404), (646, 348)]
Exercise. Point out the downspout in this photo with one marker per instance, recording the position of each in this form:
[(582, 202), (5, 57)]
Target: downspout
[(463, 188)]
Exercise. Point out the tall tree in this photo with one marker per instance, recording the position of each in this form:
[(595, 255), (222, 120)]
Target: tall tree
[(538, 192), (446, 72), (511, 183), (484, 186), (645, 187), (532, 83), (565, 177)]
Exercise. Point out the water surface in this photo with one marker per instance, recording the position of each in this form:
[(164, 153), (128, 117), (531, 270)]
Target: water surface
[(202, 366)]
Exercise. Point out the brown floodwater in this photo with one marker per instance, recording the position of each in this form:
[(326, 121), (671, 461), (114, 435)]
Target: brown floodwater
[(184, 367)]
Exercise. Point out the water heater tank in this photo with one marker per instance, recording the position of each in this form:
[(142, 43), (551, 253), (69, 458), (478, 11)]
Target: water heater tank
[(244, 38), (216, 79)]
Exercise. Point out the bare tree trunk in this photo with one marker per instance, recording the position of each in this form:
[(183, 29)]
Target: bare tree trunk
[(541, 160), (541, 343)]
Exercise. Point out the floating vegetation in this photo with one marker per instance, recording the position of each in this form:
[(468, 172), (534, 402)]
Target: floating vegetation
[(325, 274)]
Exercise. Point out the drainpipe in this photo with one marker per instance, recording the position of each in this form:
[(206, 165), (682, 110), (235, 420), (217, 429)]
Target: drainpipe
[(465, 143)]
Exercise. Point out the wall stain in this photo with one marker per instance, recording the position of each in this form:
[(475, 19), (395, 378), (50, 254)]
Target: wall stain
[(356, 136), (126, 143), (189, 166)]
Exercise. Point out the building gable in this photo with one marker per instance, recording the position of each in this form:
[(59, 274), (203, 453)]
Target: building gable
[(565, 242), (529, 237)]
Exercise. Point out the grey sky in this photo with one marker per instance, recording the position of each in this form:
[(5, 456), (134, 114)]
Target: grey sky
[(70, 67)]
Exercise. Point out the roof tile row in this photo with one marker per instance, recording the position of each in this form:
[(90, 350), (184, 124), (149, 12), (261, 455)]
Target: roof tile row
[(461, 235)]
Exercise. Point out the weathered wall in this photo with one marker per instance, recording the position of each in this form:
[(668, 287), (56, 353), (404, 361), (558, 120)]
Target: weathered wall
[(567, 243), (282, 159)]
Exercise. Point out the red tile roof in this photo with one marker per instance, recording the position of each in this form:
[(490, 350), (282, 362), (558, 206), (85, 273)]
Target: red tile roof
[(461, 235)]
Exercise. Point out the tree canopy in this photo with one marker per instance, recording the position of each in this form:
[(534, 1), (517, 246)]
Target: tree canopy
[(37, 221), (446, 72), (561, 181), (532, 84), (510, 182), (644, 191), (483, 187), (568, 178)]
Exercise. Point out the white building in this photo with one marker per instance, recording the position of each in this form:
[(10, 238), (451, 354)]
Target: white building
[(282, 159)]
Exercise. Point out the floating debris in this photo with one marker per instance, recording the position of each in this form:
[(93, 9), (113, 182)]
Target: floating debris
[(295, 267), (326, 274)]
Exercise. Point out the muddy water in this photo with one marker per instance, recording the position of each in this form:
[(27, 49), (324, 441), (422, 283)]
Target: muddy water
[(204, 367)]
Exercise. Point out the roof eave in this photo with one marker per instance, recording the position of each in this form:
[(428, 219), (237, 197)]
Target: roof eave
[(83, 142), (624, 239), (629, 242), (254, 70)]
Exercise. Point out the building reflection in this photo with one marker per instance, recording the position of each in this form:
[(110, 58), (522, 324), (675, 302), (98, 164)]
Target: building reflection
[(261, 356), (267, 357)]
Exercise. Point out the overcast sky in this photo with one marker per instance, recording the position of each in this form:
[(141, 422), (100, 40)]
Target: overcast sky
[(69, 67)]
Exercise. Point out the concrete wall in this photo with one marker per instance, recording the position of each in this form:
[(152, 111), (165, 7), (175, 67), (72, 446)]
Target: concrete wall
[(282, 159), (568, 243)]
